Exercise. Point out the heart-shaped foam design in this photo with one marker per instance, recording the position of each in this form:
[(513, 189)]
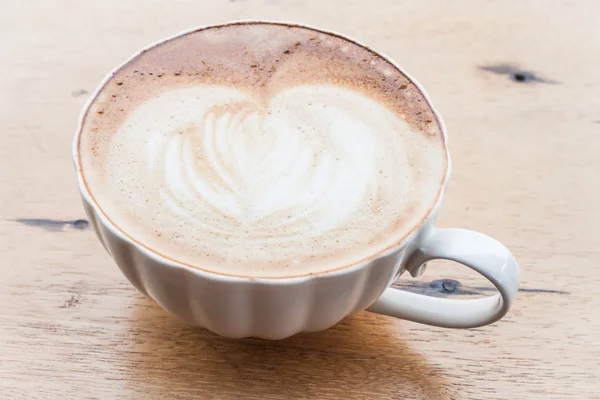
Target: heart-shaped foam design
[(315, 170)]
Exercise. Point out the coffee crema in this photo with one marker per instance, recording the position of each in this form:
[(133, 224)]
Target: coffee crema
[(263, 150)]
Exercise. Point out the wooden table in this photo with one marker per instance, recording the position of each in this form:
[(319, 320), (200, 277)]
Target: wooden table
[(519, 86)]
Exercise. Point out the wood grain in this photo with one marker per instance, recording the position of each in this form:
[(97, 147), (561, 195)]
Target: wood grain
[(518, 85)]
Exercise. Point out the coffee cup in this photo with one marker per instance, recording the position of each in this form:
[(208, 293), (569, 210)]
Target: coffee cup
[(261, 179)]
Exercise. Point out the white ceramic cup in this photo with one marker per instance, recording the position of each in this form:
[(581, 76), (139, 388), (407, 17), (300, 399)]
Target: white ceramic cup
[(277, 308)]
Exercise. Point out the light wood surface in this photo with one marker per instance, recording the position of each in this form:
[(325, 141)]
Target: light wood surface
[(526, 170)]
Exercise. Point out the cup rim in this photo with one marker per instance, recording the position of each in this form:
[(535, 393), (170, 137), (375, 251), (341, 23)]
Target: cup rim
[(348, 268)]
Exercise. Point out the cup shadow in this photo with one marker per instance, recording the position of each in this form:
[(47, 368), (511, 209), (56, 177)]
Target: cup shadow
[(364, 356)]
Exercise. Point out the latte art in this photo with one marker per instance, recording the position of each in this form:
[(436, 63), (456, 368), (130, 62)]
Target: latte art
[(264, 169), (288, 172), (269, 175)]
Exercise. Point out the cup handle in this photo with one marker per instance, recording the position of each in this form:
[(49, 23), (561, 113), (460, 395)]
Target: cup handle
[(475, 250)]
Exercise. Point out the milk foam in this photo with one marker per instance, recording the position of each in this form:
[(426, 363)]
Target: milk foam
[(301, 167), (306, 179)]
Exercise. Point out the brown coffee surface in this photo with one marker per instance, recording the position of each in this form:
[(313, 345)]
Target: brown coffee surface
[(262, 149)]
